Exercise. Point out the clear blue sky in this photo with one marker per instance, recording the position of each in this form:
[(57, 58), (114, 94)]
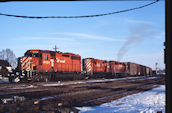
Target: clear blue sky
[(98, 37)]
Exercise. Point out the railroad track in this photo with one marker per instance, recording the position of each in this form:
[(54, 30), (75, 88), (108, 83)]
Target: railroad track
[(72, 94)]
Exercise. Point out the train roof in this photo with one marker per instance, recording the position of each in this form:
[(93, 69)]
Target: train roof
[(138, 64), (95, 59), (50, 51)]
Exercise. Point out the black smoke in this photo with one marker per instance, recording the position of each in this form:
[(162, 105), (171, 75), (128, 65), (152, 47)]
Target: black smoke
[(137, 35)]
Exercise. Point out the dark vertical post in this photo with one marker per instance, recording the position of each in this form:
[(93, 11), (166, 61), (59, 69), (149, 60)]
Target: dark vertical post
[(168, 56), (55, 48)]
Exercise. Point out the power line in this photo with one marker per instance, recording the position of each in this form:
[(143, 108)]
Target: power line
[(86, 16)]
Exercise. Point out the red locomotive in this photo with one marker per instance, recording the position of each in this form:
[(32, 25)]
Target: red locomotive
[(91, 65), (46, 61), (118, 68)]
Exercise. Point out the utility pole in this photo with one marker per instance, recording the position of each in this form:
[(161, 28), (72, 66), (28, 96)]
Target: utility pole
[(156, 67), (55, 48)]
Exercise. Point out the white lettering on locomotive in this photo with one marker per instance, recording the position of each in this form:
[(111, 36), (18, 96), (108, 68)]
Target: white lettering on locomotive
[(52, 63), (60, 61), (98, 65)]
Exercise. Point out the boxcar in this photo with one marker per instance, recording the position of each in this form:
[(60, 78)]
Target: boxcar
[(148, 71), (138, 69), (143, 70), (132, 68)]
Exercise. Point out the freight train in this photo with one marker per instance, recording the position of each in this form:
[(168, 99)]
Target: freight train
[(47, 65)]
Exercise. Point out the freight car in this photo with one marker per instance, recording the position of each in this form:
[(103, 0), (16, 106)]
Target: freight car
[(54, 65), (137, 69), (149, 71), (132, 68)]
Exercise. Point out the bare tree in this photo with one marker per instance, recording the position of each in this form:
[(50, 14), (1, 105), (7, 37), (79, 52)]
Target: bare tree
[(8, 55)]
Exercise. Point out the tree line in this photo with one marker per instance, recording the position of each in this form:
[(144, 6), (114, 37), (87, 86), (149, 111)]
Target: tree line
[(8, 54)]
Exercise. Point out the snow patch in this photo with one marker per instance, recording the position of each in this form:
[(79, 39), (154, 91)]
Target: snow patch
[(150, 101), (83, 109), (23, 87), (52, 84)]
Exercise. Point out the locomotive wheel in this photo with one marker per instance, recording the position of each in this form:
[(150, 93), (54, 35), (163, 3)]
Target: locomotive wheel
[(39, 77)]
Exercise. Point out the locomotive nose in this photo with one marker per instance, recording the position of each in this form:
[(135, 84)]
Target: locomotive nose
[(26, 63)]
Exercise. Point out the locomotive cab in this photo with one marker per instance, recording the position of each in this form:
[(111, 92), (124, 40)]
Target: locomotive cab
[(31, 59)]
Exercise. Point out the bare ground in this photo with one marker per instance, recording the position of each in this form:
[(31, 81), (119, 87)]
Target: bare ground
[(62, 97)]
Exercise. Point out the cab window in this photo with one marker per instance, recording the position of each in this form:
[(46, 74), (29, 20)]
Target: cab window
[(52, 53), (28, 54), (45, 57), (35, 55)]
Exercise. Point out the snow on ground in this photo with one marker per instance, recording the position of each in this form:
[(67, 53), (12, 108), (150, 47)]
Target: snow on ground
[(57, 84), (146, 102), (23, 87)]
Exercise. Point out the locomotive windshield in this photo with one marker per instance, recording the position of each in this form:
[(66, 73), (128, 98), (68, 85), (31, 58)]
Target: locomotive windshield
[(33, 54), (28, 54)]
